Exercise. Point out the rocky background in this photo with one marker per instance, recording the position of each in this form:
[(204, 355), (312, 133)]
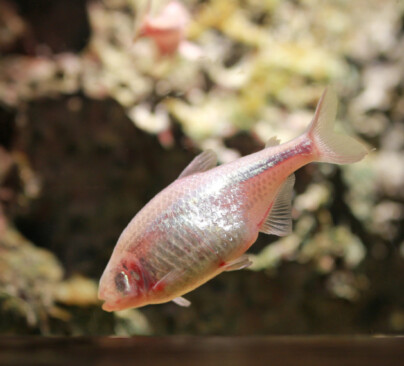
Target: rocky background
[(93, 125)]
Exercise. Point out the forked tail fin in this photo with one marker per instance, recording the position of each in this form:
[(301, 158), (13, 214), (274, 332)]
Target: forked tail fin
[(332, 147)]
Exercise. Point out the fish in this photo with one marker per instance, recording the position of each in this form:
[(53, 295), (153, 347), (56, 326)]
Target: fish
[(166, 29), (203, 223)]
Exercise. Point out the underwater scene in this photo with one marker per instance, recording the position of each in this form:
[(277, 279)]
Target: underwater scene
[(245, 158)]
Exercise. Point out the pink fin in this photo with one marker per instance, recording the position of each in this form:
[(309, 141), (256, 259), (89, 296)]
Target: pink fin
[(181, 301), (273, 141), (332, 147), (238, 263), (168, 278), (279, 219), (201, 163)]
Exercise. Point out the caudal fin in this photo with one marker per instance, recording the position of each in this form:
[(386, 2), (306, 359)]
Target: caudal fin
[(332, 147)]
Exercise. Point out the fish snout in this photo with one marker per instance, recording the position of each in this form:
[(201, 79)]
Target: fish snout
[(105, 297), (111, 301), (120, 303), (122, 287)]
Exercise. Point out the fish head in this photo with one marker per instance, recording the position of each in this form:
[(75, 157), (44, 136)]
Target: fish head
[(123, 285)]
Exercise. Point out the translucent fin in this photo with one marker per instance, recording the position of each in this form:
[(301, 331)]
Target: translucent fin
[(333, 147), (239, 263), (181, 301), (201, 163), (279, 219), (170, 277), (273, 141)]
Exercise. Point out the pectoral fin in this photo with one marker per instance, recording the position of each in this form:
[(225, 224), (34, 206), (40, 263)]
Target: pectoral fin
[(201, 163), (279, 219), (181, 301), (170, 277), (238, 263)]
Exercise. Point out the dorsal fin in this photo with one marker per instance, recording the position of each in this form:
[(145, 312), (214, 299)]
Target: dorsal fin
[(201, 163), (279, 219), (273, 141)]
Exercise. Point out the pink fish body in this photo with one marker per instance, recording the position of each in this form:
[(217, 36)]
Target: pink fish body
[(167, 29), (202, 224)]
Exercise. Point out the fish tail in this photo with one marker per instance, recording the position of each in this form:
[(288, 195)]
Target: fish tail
[(332, 147)]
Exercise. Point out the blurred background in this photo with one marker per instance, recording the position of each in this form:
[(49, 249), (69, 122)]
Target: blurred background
[(93, 123)]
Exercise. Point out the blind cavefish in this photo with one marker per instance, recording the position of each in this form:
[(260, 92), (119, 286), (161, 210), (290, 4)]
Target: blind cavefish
[(203, 223), (167, 29)]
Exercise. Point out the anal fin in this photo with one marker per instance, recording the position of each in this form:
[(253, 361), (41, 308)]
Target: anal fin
[(238, 263), (181, 301), (279, 219)]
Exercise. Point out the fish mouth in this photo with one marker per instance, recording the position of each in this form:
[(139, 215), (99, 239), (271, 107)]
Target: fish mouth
[(107, 305), (117, 305), (110, 305), (109, 299), (113, 301)]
